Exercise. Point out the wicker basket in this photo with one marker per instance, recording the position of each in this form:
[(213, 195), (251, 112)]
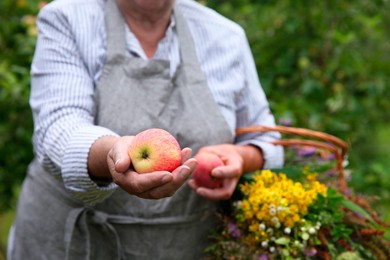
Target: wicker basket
[(367, 228), (324, 141)]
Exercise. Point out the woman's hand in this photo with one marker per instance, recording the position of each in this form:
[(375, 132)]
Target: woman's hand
[(237, 160), (154, 185)]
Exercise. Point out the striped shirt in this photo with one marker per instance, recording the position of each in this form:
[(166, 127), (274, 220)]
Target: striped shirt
[(70, 55)]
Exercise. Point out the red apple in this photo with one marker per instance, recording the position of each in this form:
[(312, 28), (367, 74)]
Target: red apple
[(154, 150), (202, 173)]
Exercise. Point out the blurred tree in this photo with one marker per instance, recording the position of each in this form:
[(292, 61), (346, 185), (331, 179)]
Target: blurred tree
[(325, 65), (17, 41)]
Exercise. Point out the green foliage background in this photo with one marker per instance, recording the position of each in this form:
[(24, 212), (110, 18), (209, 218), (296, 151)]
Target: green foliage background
[(324, 65), (17, 41)]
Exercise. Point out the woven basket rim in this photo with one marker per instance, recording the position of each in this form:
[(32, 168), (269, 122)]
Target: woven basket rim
[(324, 140)]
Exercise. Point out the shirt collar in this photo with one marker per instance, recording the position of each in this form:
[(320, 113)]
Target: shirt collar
[(134, 47)]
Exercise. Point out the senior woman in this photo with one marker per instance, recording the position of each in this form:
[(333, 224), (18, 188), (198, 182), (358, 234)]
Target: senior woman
[(103, 71)]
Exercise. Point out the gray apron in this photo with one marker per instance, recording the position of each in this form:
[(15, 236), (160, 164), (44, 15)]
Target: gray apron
[(132, 95)]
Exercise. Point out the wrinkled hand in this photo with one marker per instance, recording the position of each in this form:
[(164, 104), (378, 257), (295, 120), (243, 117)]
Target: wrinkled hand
[(230, 173), (154, 185)]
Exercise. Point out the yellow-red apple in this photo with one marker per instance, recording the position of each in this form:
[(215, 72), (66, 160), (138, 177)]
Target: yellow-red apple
[(202, 173), (154, 149)]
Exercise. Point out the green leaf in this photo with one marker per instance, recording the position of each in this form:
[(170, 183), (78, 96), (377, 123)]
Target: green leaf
[(335, 199), (286, 254), (305, 236), (282, 241), (340, 231), (359, 210)]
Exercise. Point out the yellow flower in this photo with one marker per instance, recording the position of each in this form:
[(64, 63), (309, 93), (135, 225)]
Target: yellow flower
[(273, 200)]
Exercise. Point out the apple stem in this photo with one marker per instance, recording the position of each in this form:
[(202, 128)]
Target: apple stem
[(145, 154)]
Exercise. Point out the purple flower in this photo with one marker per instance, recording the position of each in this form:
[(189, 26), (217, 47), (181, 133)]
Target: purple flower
[(233, 230), (331, 157), (307, 151), (284, 121), (348, 191), (262, 257), (309, 251), (331, 172)]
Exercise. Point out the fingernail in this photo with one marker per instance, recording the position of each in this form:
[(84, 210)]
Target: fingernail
[(192, 164), (117, 162), (217, 173)]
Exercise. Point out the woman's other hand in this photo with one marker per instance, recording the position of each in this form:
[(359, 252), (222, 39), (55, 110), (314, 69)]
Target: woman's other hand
[(237, 160)]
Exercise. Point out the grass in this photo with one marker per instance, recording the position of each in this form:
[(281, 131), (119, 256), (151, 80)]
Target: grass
[(6, 220)]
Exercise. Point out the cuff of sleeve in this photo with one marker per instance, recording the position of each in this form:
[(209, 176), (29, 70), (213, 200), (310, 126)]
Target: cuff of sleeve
[(75, 170), (273, 154)]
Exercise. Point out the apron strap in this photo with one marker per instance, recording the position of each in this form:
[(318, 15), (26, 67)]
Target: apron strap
[(186, 43), (187, 48), (79, 222), (115, 30), (78, 237)]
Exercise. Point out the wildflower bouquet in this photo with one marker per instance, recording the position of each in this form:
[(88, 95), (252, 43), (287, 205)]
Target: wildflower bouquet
[(300, 214)]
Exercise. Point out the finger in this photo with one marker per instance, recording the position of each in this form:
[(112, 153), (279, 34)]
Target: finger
[(185, 154), (223, 193), (190, 164), (214, 194), (119, 154), (168, 189), (192, 184), (227, 171), (180, 175), (135, 183)]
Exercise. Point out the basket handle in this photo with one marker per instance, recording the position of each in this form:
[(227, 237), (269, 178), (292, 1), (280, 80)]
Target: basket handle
[(328, 142)]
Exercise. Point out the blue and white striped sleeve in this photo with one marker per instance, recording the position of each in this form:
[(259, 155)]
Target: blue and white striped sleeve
[(253, 109), (62, 104)]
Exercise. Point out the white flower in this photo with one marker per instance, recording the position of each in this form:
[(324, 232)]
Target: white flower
[(298, 244), (312, 230), (264, 243), (318, 225), (345, 163), (237, 204), (261, 226), (287, 230), (272, 211), (275, 220), (272, 249)]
